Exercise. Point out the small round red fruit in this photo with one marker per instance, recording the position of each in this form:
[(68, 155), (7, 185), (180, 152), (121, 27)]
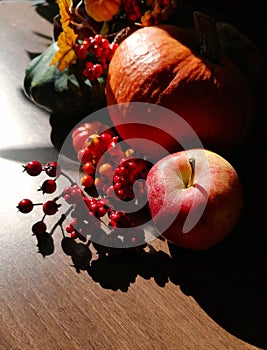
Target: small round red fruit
[(25, 206), (87, 181), (49, 186), (85, 155), (89, 168), (52, 169), (33, 168), (50, 207)]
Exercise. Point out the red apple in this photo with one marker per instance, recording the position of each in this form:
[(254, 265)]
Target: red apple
[(195, 198)]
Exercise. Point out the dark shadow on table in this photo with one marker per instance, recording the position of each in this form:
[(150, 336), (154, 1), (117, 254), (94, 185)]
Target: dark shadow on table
[(24, 155), (228, 281), (120, 272), (46, 9)]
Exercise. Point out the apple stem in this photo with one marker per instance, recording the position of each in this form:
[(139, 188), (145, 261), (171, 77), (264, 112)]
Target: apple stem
[(192, 163)]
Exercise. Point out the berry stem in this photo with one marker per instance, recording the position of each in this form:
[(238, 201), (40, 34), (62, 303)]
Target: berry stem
[(61, 220), (83, 23), (67, 177)]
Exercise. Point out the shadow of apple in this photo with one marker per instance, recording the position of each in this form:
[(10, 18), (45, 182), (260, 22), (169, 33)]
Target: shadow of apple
[(229, 282)]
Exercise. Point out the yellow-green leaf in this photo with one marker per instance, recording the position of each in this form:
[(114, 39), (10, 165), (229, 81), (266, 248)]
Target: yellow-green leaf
[(66, 53), (65, 9)]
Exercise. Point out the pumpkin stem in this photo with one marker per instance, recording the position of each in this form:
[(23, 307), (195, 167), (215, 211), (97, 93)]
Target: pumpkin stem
[(208, 36)]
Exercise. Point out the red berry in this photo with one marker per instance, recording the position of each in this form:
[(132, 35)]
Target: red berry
[(106, 138), (25, 206), (69, 228), (91, 203), (39, 227), (88, 168), (85, 155), (97, 50), (98, 39), (33, 168), (87, 181), (73, 234), (116, 216), (52, 169), (49, 186), (114, 148), (89, 65), (98, 70), (131, 9), (106, 169), (117, 186), (121, 171), (67, 191), (67, 194), (50, 207), (67, 198), (100, 211), (79, 139), (89, 72), (126, 175), (81, 49), (122, 194), (73, 222), (93, 207), (76, 194)]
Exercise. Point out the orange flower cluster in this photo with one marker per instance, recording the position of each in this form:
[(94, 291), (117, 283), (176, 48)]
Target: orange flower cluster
[(102, 10)]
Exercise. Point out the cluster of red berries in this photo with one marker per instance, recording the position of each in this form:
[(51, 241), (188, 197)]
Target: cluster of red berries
[(34, 168), (96, 52), (159, 11), (148, 12), (112, 170), (87, 213), (50, 207), (131, 9), (126, 176), (94, 219)]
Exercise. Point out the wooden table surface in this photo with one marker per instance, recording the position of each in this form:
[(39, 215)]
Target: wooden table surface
[(162, 299)]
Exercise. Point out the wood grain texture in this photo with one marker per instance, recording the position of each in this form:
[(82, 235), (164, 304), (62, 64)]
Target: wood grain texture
[(161, 299)]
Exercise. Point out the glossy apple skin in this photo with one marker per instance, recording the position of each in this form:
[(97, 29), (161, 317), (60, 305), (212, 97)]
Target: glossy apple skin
[(200, 215)]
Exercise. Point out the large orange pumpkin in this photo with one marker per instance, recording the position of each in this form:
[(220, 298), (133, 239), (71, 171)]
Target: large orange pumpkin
[(163, 65)]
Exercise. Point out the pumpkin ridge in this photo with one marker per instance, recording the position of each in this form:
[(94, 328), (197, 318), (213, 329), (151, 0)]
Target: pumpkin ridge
[(209, 95)]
